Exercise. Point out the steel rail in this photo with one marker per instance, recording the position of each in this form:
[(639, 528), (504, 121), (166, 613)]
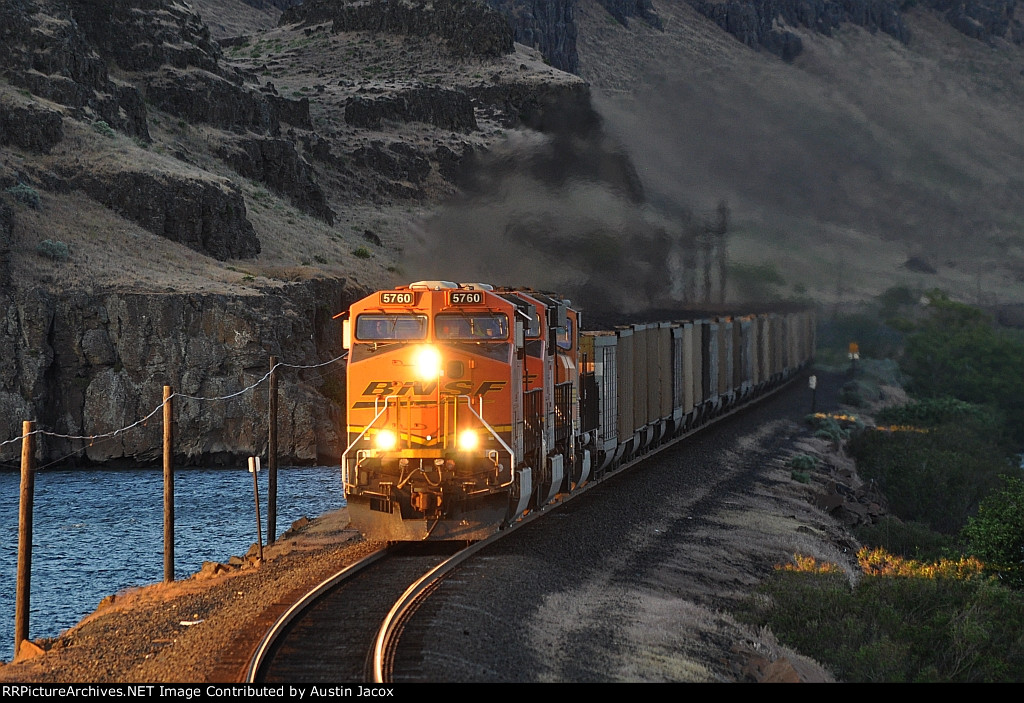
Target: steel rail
[(259, 657)]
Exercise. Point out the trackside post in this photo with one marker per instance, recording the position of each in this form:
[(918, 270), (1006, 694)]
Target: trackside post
[(23, 589)]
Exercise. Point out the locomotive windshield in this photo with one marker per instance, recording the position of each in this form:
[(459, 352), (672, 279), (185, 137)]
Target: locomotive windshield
[(373, 328), (476, 327)]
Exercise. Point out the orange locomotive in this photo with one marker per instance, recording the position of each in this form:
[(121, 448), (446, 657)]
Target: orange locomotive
[(469, 405), (455, 427)]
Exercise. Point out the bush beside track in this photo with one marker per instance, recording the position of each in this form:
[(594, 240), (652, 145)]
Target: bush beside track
[(941, 597)]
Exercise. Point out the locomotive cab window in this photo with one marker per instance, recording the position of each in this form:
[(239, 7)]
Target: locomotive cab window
[(476, 327), (533, 326), (376, 328), (564, 335)]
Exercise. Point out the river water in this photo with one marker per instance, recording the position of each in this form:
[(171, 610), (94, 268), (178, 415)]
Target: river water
[(97, 532)]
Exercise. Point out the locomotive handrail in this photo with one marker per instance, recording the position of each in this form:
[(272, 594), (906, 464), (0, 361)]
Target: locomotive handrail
[(344, 454), (494, 433)]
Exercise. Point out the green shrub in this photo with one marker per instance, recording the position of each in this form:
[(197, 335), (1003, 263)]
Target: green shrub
[(803, 462), (936, 477), (361, 253), (876, 340), (996, 534), (896, 629), (959, 352), (55, 250), (834, 428), (101, 127), (25, 194)]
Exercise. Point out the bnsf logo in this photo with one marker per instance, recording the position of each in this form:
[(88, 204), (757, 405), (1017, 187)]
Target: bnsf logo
[(411, 388)]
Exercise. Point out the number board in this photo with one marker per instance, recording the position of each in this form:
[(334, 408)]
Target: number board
[(390, 298), (463, 297)]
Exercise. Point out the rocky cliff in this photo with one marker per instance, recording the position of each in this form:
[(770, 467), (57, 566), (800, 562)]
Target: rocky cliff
[(132, 107), (762, 24), (91, 365), (765, 23)]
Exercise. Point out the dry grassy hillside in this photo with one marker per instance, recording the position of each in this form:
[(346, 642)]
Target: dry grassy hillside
[(837, 169)]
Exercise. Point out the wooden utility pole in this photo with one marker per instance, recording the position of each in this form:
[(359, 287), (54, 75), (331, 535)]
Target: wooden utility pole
[(23, 587), (168, 490), (254, 469), (272, 457)]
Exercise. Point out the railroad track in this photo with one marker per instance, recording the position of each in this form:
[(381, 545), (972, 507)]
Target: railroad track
[(323, 639)]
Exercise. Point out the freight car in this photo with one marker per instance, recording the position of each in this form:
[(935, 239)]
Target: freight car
[(470, 406)]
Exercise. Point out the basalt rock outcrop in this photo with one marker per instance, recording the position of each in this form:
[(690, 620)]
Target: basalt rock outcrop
[(91, 365), (199, 96), (30, 126), (468, 28), (43, 50), (62, 52), (763, 23), (204, 213), (447, 109), (985, 20), (277, 163), (760, 23), (546, 25)]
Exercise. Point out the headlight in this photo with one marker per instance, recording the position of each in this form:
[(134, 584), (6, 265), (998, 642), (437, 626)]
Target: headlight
[(468, 440), (428, 363), (385, 440)]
